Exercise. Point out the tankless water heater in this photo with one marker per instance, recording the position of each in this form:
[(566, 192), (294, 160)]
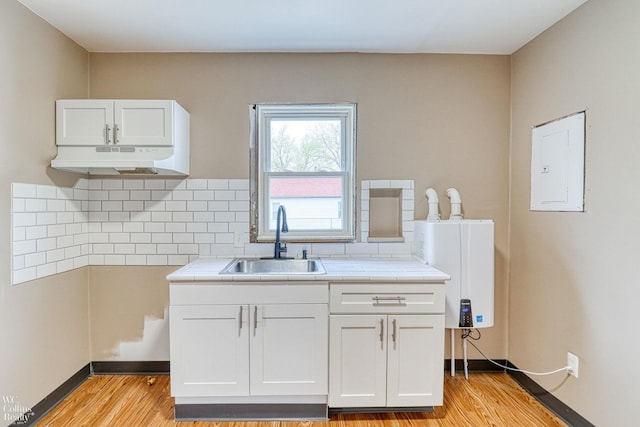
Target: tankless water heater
[(464, 250)]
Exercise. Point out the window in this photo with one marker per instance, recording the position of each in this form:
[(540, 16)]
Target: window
[(303, 158)]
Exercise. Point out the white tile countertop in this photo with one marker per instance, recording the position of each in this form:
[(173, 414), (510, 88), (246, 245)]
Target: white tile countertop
[(338, 269)]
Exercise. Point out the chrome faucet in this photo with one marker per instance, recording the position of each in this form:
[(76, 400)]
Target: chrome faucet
[(280, 248)]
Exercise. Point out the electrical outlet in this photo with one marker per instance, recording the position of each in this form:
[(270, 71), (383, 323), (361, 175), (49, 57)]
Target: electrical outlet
[(573, 363), (238, 239)]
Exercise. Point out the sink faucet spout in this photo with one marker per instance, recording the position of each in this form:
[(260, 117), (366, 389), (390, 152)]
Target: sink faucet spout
[(281, 226)]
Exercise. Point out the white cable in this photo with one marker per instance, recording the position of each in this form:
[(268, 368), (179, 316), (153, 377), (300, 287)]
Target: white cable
[(565, 368)]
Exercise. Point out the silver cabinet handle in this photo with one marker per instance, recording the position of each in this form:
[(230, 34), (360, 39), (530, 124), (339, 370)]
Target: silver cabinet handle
[(240, 321), (115, 134), (393, 333), (381, 331), (397, 300), (107, 129), (255, 319)]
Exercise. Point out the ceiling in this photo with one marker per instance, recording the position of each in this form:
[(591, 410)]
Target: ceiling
[(393, 26)]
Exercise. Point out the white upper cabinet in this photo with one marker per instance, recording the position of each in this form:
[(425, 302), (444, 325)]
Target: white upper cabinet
[(133, 122)]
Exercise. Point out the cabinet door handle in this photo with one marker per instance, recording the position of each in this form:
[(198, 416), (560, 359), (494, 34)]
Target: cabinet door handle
[(393, 333), (381, 331), (107, 129), (115, 134), (397, 300), (255, 319), (240, 321)]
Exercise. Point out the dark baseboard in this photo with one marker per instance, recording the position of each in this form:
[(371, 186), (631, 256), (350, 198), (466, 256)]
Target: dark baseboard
[(376, 410), (131, 368), (551, 402), (45, 405), (476, 365), (248, 411)]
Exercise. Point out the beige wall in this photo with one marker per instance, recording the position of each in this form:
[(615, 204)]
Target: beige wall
[(45, 334), (441, 120), (128, 307), (574, 276)]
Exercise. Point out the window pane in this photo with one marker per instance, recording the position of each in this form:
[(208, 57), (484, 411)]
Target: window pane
[(312, 203), (305, 145)]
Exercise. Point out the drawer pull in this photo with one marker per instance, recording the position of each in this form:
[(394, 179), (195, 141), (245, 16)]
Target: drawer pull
[(388, 300)]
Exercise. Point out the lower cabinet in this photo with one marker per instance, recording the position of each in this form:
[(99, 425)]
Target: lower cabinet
[(249, 350), (387, 358), (386, 361)]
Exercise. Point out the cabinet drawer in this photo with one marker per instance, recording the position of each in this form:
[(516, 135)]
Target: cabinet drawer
[(383, 298), (247, 293)]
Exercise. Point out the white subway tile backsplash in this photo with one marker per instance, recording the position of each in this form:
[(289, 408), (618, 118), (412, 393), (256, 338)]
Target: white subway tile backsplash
[(133, 184), (156, 260), (19, 233), (119, 195), (225, 195), (114, 259), (112, 184), (135, 260), (23, 190), (111, 206), (160, 195), (218, 184), (182, 195), (64, 241), (37, 258), (140, 195), (24, 219), (196, 184), (218, 206), (35, 205), (24, 247), (154, 222), (46, 192), (166, 248), (154, 184), (176, 184), (46, 270)]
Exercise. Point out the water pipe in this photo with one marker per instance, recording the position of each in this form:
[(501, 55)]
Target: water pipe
[(456, 203), (432, 199)]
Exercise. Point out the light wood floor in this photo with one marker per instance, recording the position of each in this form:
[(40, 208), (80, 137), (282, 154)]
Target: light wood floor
[(126, 400)]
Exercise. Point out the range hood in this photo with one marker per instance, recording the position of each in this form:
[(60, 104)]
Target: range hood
[(122, 137), (114, 160)]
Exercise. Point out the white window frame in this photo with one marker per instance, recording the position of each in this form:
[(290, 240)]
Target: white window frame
[(260, 115)]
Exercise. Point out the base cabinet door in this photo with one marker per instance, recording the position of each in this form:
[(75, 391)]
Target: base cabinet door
[(289, 349), (209, 350), (358, 358), (386, 360), (415, 374)]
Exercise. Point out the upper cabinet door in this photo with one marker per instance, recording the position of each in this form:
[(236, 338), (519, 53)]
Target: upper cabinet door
[(143, 122), (84, 122)]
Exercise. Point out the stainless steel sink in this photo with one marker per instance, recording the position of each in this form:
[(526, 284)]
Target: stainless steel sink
[(274, 266)]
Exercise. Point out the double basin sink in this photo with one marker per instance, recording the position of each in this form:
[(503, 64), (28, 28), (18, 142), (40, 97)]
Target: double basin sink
[(283, 266)]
